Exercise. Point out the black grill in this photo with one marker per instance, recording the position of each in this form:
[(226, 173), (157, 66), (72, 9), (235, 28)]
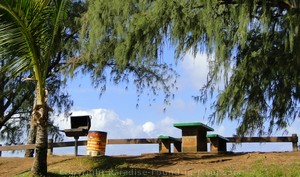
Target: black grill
[(80, 126)]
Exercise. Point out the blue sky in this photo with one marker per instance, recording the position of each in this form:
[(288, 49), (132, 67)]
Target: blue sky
[(116, 112)]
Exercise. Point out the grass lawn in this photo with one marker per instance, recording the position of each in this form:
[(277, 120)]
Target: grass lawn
[(207, 165)]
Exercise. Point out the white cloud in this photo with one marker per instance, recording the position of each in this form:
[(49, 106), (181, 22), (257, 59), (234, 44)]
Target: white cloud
[(167, 121), (118, 128), (165, 127), (148, 127), (108, 121), (195, 70)]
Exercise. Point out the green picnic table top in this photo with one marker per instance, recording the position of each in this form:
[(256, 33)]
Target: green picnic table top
[(216, 136), (164, 137), (193, 124)]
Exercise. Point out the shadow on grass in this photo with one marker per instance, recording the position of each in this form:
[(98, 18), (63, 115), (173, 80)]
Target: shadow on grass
[(122, 166), (160, 160), (56, 174), (142, 165), (126, 172), (113, 166)]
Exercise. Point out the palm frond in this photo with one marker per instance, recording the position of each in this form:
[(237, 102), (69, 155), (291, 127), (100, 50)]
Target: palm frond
[(12, 44), (58, 14)]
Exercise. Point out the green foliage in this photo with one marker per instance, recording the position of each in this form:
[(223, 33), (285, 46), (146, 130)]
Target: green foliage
[(15, 131), (17, 95), (30, 31), (255, 46), (111, 47), (264, 84)]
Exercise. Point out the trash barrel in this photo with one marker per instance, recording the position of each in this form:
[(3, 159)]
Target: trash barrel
[(96, 143)]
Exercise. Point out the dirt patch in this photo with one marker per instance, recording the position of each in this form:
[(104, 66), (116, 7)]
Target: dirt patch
[(181, 164), (13, 166)]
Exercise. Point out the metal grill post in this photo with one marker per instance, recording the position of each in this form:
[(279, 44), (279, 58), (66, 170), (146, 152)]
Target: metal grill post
[(76, 145)]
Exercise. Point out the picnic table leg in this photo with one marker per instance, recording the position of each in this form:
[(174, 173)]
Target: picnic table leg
[(214, 145), (202, 141), (217, 145), (222, 146), (193, 140), (165, 146), (177, 147)]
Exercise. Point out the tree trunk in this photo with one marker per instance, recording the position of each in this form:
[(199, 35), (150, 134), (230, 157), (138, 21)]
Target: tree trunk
[(40, 120), (39, 167), (31, 139)]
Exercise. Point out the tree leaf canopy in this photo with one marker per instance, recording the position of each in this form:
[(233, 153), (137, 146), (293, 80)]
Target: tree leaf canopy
[(255, 45)]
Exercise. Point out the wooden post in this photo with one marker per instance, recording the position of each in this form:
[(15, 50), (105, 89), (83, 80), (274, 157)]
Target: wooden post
[(50, 147), (295, 142), (0, 151)]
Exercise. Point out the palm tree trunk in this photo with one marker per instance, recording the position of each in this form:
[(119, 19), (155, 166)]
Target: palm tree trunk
[(39, 167), (31, 138), (40, 118)]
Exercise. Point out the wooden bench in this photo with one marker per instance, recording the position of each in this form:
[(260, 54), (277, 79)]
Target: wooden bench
[(165, 144), (218, 143), (193, 136)]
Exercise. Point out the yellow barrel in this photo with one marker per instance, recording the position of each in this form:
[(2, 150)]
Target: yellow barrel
[(96, 143)]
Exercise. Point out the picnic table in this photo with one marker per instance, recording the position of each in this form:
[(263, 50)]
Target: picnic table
[(218, 143), (165, 144), (193, 136)]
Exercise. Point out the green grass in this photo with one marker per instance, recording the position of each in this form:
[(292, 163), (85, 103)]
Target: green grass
[(114, 167), (272, 170), (96, 166), (101, 167), (258, 169)]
